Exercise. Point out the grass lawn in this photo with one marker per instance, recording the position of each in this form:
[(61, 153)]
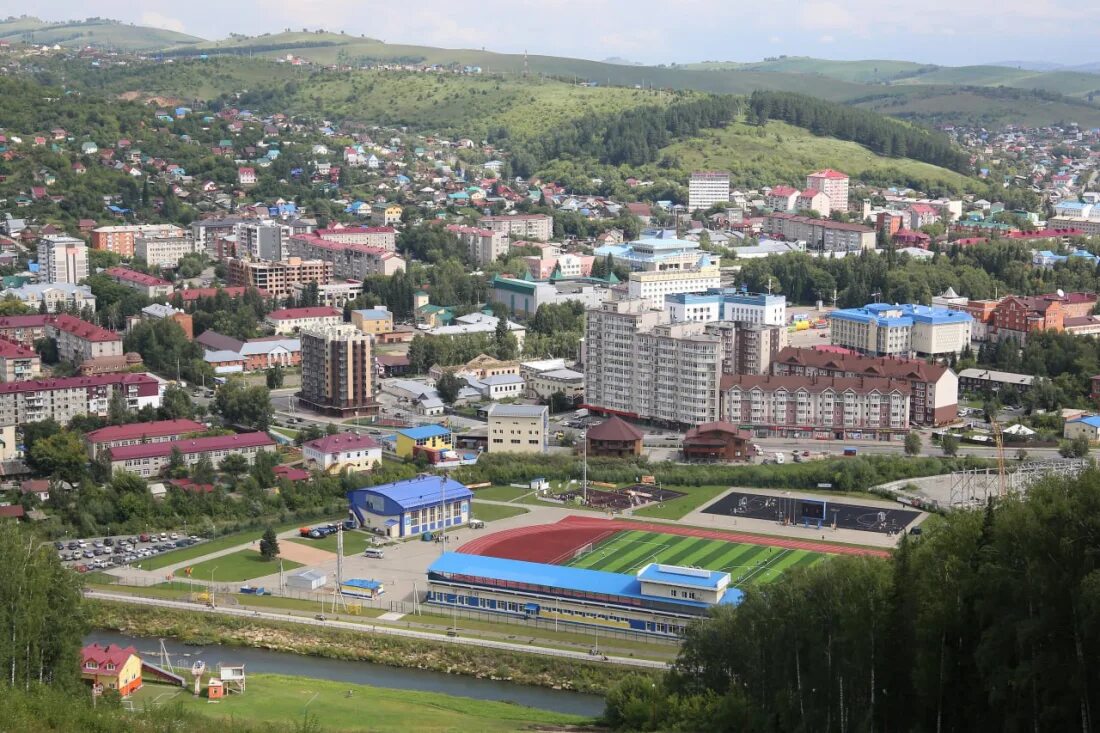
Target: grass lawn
[(287, 432), (283, 698), (693, 498), (500, 493), (491, 512), (240, 565), (747, 564), (354, 542)]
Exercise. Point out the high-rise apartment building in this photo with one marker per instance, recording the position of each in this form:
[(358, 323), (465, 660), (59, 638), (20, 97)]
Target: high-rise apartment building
[(122, 239), (833, 184), (62, 259), (261, 240), (336, 371), (707, 188)]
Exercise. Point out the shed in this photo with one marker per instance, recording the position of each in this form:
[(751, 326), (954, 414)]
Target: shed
[(306, 580)]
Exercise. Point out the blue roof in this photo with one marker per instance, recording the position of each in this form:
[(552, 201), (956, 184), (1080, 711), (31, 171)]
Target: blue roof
[(361, 583), (558, 577), (424, 431), (420, 491), (374, 313), (887, 315), (1093, 421), (658, 573)]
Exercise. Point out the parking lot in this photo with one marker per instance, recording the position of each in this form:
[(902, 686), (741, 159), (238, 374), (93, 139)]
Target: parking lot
[(100, 553)]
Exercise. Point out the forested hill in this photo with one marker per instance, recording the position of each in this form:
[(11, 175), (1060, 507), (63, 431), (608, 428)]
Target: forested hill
[(880, 134)]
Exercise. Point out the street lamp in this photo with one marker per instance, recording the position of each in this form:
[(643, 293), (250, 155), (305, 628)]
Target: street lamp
[(212, 571)]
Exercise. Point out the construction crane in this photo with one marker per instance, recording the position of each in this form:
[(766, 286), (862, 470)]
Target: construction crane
[(998, 439)]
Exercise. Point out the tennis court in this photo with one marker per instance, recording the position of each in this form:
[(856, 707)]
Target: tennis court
[(748, 564)]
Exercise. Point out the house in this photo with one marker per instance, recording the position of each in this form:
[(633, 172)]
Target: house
[(614, 437), (1083, 427), (343, 451), (385, 214), (718, 441), (499, 386), (111, 667), (409, 441), (246, 176)]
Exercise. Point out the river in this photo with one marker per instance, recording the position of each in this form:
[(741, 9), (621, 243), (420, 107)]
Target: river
[(362, 673)]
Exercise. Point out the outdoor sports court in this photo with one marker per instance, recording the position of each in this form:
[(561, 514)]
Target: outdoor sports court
[(845, 516), (748, 564)]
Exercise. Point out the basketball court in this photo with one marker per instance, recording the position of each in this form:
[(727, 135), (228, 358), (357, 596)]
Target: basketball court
[(816, 512)]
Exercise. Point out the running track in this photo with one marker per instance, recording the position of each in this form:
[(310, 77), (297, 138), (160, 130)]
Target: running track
[(537, 543)]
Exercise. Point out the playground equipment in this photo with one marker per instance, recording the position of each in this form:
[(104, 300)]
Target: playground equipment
[(232, 678)]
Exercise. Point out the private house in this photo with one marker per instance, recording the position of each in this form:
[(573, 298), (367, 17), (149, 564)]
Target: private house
[(614, 437), (335, 453), (432, 437), (718, 441), (112, 667)]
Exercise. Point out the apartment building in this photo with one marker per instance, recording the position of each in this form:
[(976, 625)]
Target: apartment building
[(261, 240), (882, 329), (122, 240), (348, 260), (55, 296), (934, 389), (62, 259), (149, 285), (334, 294), (781, 198), (23, 330), (637, 367), (382, 237), (337, 371), (1087, 226), (518, 428), (653, 286), (1016, 315), (65, 398), (727, 304), (823, 235), (291, 320), (160, 431), (165, 251), (373, 320), (150, 459), (539, 227), (834, 185), (206, 232), (818, 408), (18, 363), (543, 385), (707, 188), (482, 245), (278, 278), (748, 348), (77, 340), (385, 214)]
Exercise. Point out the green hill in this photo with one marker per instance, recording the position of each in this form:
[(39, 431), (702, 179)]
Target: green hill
[(92, 32), (871, 71), (1070, 83), (986, 106)]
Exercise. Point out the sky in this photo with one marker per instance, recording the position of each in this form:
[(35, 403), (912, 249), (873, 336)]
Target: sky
[(949, 32)]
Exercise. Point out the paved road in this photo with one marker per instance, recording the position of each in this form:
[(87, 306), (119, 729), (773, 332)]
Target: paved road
[(374, 629)]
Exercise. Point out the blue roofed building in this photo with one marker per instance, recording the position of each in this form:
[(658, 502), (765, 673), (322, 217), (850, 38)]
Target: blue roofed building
[(659, 600), (656, 254), (407, 508), (882, 329), (1083, 427)]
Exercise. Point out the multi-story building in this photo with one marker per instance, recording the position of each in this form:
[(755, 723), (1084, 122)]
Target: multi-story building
[(189, 297), (65, 398), (567, 266), (654, 285), (77, 340), (827, 408), (23, 330), (543, 385), (882, 329), (834, 185), (278, 278), (343, 451), (1086, 226), (707, 188), (261, 240), (637, 367), (206, 232), (150, 459), (337, 371), (539, 227), (524, 297), (812, 199), (934, 389), (659, 254), (976, 381), (160, 431), (165, 251), (291, 320), (62, 259), (18, 363), (122, 240), (727, 305), (385, 214), (55, 296), (373, 320), (229, 355), (747, 348), (781, 198), (381, 237), (1016, 316), (824, 235), (334, 294), (482, 245), (150, 285), (518, 428), (348, 260)]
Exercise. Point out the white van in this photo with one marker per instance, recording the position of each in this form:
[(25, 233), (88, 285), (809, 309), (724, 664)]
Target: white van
[(779, 458), (374, 553), (477, 524)]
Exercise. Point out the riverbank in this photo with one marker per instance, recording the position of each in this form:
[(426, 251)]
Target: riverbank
[(482, 663), (322, 705)]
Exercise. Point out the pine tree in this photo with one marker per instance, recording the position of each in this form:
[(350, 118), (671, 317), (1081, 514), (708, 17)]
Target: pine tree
[(269, 544)]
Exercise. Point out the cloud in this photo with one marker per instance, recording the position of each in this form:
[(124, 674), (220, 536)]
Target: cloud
[(157, 20), (826, 39)]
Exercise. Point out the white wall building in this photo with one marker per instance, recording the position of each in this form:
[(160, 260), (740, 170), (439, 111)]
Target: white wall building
[(707, 188)]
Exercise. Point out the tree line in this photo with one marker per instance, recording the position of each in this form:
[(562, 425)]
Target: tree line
[(880, 134)]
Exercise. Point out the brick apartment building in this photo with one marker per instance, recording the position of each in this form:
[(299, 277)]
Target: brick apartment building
[(278, 278), (160, 431), (150, 459), (65, 398)]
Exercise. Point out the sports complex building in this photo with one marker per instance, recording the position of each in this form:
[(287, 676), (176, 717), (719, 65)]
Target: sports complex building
[(411, 507)]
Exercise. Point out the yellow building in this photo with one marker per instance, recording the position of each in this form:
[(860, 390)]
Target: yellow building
[(114, 667), (425, 436), (385, 214), (373, 320), (518, 428)]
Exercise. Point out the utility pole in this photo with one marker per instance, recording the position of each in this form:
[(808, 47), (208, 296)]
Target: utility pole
[(584, 470)]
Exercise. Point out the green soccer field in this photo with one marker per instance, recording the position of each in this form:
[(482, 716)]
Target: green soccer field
[(629, 551)]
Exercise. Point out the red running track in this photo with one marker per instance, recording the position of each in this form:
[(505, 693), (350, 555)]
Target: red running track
[(556, 543)]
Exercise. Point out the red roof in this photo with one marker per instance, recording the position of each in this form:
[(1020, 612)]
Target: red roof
[(290, 473), (110, 654), (125, 273), (345, 442), (315, 312), (614, 428), (718, 427), (829, 173), (12, 350), (133, 431), (30, 321), (186, 484), (355, 230), (809, 193), (194, 445), (13, 511), (234, 291), (782, 191), (41, 385), (82, 329)]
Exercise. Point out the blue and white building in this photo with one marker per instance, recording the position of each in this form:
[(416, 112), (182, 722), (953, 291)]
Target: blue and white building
[(881, 329), (659, 600), (411, 507), (718, 304), (656, 254)]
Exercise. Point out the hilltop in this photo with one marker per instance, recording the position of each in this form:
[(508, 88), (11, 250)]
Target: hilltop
[(99, 32)]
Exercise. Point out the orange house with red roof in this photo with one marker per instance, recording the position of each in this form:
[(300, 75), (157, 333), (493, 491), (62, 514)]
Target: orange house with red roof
[(113, 666)]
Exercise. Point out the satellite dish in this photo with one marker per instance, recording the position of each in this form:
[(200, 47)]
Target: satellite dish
[(1061, 293)]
